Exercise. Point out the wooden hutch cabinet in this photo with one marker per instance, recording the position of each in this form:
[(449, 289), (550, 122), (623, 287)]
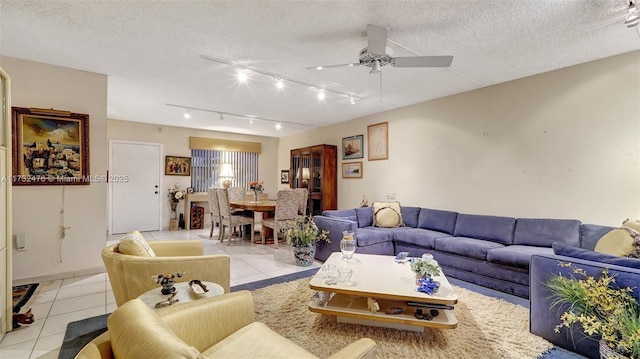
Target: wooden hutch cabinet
[(316, 168)]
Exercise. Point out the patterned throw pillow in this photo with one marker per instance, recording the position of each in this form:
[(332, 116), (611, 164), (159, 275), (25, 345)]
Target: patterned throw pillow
[(633, 227), (387, 214), (134, 244)]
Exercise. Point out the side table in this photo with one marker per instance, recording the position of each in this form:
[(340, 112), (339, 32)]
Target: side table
[(183, 293)]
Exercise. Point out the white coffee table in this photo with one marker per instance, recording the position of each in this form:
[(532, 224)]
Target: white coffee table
[(391, 285), (183, 292)]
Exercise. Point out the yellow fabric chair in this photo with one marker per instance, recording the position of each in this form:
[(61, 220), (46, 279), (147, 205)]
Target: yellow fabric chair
[(218, 327), (130, 275)]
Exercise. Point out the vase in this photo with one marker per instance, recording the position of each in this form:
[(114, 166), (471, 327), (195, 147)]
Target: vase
[(174, 213), (607, 353), (347, 245), (255, 196), (304, 254)]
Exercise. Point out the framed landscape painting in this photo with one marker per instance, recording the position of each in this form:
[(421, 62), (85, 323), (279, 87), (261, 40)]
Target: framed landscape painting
[(352, 170), (177, 166), (50, 147), (352, 147)]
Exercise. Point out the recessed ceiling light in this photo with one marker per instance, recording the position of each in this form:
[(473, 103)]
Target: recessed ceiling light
[(242, 75), (279, 84)]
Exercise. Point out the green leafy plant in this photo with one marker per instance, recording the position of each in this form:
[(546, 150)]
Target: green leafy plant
[(303, 232), (600, 307), (425, 267)]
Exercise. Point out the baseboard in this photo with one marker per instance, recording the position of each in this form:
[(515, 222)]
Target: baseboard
[(57, 276)]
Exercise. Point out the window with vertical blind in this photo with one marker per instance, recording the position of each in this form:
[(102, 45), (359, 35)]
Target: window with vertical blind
[(209, 166)]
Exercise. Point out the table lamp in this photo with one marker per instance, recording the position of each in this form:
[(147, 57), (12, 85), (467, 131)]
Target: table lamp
[(226, 174)]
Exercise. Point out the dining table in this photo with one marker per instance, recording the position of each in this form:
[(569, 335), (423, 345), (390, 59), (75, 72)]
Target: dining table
[(267, 208)]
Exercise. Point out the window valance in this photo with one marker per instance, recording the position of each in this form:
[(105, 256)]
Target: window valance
[(201, 143)]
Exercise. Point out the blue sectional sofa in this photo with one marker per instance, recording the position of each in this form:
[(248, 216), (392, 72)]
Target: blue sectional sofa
[(491, 251)]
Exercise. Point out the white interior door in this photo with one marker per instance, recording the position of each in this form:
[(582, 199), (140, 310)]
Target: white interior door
[(135, 187)]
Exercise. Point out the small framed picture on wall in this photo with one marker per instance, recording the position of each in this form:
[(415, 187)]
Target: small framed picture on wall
[(352, 147), (378, 141), (284, 176), (352, 170), (177, 166)]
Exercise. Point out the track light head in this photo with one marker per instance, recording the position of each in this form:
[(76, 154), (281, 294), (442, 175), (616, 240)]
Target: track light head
[(221, 117)]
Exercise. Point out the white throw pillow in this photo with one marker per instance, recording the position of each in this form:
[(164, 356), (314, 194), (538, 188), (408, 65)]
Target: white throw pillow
[(387, 214), (134, 244)]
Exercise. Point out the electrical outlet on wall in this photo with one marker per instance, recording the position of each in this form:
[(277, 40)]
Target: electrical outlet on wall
[(391, 195)]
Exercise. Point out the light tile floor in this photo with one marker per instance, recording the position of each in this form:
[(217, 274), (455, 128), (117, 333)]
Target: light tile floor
[(59, 302)]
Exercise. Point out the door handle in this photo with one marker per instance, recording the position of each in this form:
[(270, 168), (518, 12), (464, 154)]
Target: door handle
[(156, 186), (156, 192)]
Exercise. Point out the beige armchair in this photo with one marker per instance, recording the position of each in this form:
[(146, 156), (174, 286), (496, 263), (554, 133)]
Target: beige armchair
[(130, 275), (218, 327)]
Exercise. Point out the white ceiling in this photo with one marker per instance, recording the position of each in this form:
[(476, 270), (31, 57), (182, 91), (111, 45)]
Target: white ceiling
[(151, 52)]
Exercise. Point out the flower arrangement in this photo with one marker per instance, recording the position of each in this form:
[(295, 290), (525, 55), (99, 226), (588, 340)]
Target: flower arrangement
[(256, 186), (599, 307), (175, 193), (425, 267), (304, 232)]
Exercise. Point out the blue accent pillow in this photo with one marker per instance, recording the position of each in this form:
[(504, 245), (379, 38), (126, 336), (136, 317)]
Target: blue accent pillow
[(575, 252)]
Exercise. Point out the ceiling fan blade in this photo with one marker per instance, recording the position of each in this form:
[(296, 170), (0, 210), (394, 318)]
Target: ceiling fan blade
[(332, 66), (377, 39), (423, 61)]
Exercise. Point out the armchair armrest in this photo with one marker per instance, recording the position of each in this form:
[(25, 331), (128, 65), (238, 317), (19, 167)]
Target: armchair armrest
[(98, 348), (176, 248), (204, 322), (364, 348), (335, 227), (212, 268)]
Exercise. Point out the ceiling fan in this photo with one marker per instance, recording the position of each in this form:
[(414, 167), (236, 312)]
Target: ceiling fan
[(377, 54)]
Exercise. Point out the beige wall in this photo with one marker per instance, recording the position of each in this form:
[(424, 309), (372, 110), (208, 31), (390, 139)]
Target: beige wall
[(564, 144), (36, 209), (175, 141)]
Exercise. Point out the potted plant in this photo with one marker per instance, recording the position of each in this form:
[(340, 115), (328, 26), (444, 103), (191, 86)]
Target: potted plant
[(425, 267), (600, 308), (302, 235)]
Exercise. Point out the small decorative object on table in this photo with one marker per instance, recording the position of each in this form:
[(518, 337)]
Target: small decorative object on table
[(197, 286), (167, 302), (425, 267), (601, 308), (167, 281), (428, 285), (373, 305), (256, 187), (302, 235), (347, 246)]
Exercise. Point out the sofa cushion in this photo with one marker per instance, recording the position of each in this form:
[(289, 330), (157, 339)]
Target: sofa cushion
[(387, 214), (136, 331), (542, 232), (410, 216), (365, 216), (516, 255), (341, 213), (372, 235), (423, 238), (256, 340), (468, 247), (618, 242), (569, 251), (491, 228), (437, 220), (591, 233), (346, 218), (134, 244)]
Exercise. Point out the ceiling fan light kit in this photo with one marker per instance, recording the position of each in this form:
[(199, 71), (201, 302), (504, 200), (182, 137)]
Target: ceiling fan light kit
[(633, 17)]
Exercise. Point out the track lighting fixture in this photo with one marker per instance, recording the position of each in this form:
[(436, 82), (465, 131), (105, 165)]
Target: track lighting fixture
[(321, 94), (243, 75), (187, 115), (633, 17), (278, 126), (352, 100), (221, 117)]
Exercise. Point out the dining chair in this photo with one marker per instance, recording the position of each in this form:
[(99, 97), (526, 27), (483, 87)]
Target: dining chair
[(286, 210), (214, 209), (232, 220), (303, 198)]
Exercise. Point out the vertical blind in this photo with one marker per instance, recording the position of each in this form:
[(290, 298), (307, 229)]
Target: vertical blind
[(206, 165)]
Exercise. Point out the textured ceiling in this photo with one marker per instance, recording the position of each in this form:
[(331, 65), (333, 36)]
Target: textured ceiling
[(151, 52)]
